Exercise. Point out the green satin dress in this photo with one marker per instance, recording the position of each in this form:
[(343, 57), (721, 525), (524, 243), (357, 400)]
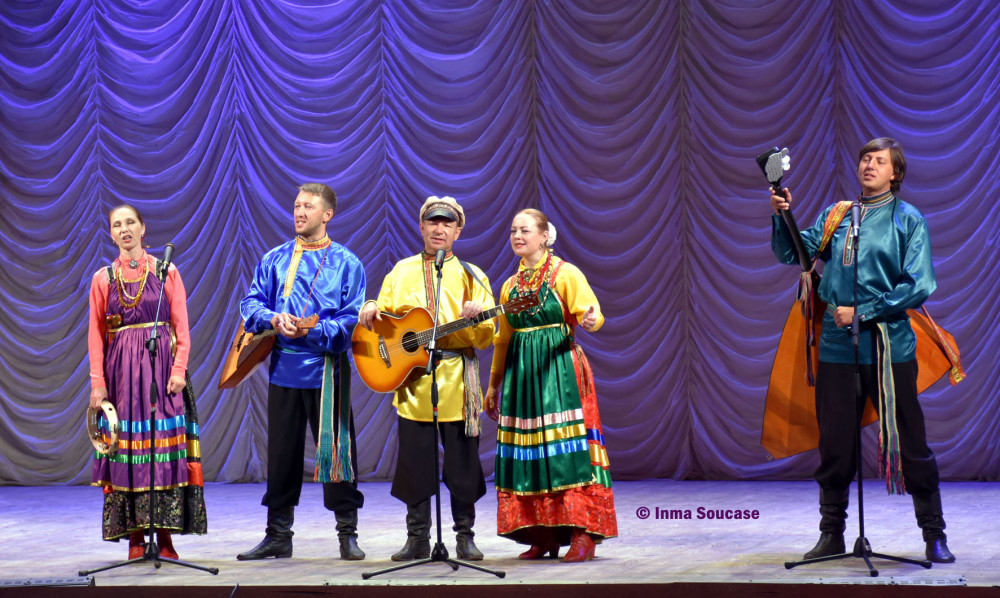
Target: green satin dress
[(551, 465)]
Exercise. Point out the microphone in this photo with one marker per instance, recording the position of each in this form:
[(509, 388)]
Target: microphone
[(168, 255), (439, 258), (855, 219)]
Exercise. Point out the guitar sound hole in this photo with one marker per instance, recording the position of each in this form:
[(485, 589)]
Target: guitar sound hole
[(409, 342)]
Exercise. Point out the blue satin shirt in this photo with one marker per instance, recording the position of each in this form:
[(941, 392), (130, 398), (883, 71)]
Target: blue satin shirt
[(337, 297)]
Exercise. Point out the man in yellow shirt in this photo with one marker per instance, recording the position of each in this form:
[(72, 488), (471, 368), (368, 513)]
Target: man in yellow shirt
[(410, 284)]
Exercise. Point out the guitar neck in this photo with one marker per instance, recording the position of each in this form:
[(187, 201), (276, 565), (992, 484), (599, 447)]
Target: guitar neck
[(461, 323)]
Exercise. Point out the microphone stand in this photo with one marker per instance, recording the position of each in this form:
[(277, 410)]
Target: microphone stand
[(862, 548), (439, 554), (152, 552)]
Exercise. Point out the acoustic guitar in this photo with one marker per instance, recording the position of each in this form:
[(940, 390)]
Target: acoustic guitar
[(396, 345), (249, 350)]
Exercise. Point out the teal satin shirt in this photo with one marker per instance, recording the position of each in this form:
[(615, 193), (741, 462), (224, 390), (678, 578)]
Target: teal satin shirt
[(896, 273)]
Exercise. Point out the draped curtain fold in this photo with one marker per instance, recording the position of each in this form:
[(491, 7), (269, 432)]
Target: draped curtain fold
[(632, 125)]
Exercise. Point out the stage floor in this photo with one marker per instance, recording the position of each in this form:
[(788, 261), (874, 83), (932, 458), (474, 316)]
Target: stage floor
[(54, 532)]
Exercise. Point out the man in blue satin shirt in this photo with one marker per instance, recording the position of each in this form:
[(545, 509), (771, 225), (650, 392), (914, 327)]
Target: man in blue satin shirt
[(895, 273), (308, 275)]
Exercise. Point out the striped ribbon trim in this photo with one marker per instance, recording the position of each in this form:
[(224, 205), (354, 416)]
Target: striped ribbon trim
[(889, 456), (142, 427), (333, 449), (194, 450), (833, 219), (522, 453), (143, 459), (192, 428), (472, 402), (594, 435), (293, 267), (599, 457), (141, 445), (550, 419), (472, 406), (541, 436)]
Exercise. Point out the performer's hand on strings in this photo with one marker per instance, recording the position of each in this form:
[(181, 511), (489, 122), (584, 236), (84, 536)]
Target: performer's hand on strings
[(471, 309), (284, 324), (96, 396), (491, 403), (780, 202), (369, 313), (589, 319), (175, 384)]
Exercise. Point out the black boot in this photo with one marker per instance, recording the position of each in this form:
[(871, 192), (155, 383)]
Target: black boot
[(277, 540), (833, 510), (465, 517), (930, 518), (347, 533), (418, 533), (829, 544), (833, 521), (937, 550)]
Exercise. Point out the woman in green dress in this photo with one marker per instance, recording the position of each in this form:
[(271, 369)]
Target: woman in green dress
[(552, 475)]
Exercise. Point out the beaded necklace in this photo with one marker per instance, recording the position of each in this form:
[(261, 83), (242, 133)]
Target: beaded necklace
[(528, 283), (128, 301)]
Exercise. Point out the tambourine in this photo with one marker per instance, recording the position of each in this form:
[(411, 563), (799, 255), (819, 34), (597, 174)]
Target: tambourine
[(106, 445)]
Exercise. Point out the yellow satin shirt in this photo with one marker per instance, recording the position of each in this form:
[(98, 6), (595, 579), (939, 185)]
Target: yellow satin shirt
[(406, 287)]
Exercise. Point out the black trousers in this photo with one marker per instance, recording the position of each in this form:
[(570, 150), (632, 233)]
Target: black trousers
[(414, 480), (838, 413), (288, 410)]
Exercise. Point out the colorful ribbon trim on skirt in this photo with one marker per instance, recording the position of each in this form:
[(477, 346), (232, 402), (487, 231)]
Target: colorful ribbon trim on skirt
[(333, 450), (889, 456)]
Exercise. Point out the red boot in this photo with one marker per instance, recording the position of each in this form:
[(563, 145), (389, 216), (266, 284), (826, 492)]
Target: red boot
[(580, 549), (136, 545), (166, 544), (542, 541), (537, 552)]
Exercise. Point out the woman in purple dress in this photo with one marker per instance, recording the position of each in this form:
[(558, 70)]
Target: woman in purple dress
[(123, 300)]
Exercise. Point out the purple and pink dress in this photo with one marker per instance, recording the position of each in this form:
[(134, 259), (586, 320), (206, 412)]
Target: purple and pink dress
[(120, 362)]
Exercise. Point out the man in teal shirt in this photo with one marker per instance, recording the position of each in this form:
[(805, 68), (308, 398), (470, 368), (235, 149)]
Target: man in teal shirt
[(894, 273)]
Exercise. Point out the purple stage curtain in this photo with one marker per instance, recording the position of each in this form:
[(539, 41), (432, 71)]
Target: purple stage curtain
[(632, 124)]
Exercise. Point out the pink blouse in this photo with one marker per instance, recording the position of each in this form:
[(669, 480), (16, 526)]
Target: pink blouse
[(174, 293)]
